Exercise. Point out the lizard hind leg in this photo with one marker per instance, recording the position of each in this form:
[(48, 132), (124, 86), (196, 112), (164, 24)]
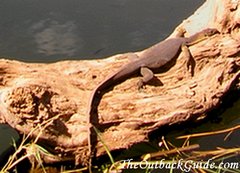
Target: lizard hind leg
[(147, 76)]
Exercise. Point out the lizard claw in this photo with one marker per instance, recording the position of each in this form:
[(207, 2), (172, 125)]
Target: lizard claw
[(140, 85)]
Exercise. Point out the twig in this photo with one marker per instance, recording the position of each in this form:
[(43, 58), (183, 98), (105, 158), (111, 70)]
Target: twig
[(173, 151), (229, 130)]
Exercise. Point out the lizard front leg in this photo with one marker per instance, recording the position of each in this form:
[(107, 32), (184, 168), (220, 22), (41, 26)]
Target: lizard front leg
[(190, 60), (147, 75), (178, 32)]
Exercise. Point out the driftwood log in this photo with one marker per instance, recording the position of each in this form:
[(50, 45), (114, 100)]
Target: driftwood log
[(52, 98)]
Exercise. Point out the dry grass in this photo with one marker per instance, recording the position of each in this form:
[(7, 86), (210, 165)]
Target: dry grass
[(170, 153)]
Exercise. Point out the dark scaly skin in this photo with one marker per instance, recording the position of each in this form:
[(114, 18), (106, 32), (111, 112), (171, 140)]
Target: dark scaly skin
[(152, 58)]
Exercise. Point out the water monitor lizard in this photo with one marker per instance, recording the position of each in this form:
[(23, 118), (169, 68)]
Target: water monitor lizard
[(152, 58)]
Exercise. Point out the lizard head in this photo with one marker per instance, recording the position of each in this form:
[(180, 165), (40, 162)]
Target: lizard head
[(209, 32), (202, 35)]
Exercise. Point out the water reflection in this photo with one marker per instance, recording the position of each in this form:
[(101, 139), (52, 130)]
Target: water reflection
[(53, 37), (47, 31)]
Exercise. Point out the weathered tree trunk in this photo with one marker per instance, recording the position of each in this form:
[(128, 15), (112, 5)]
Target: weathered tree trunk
[(56, 95)]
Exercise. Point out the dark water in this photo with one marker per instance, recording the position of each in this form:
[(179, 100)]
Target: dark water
[(8, 138), (52, 30)]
